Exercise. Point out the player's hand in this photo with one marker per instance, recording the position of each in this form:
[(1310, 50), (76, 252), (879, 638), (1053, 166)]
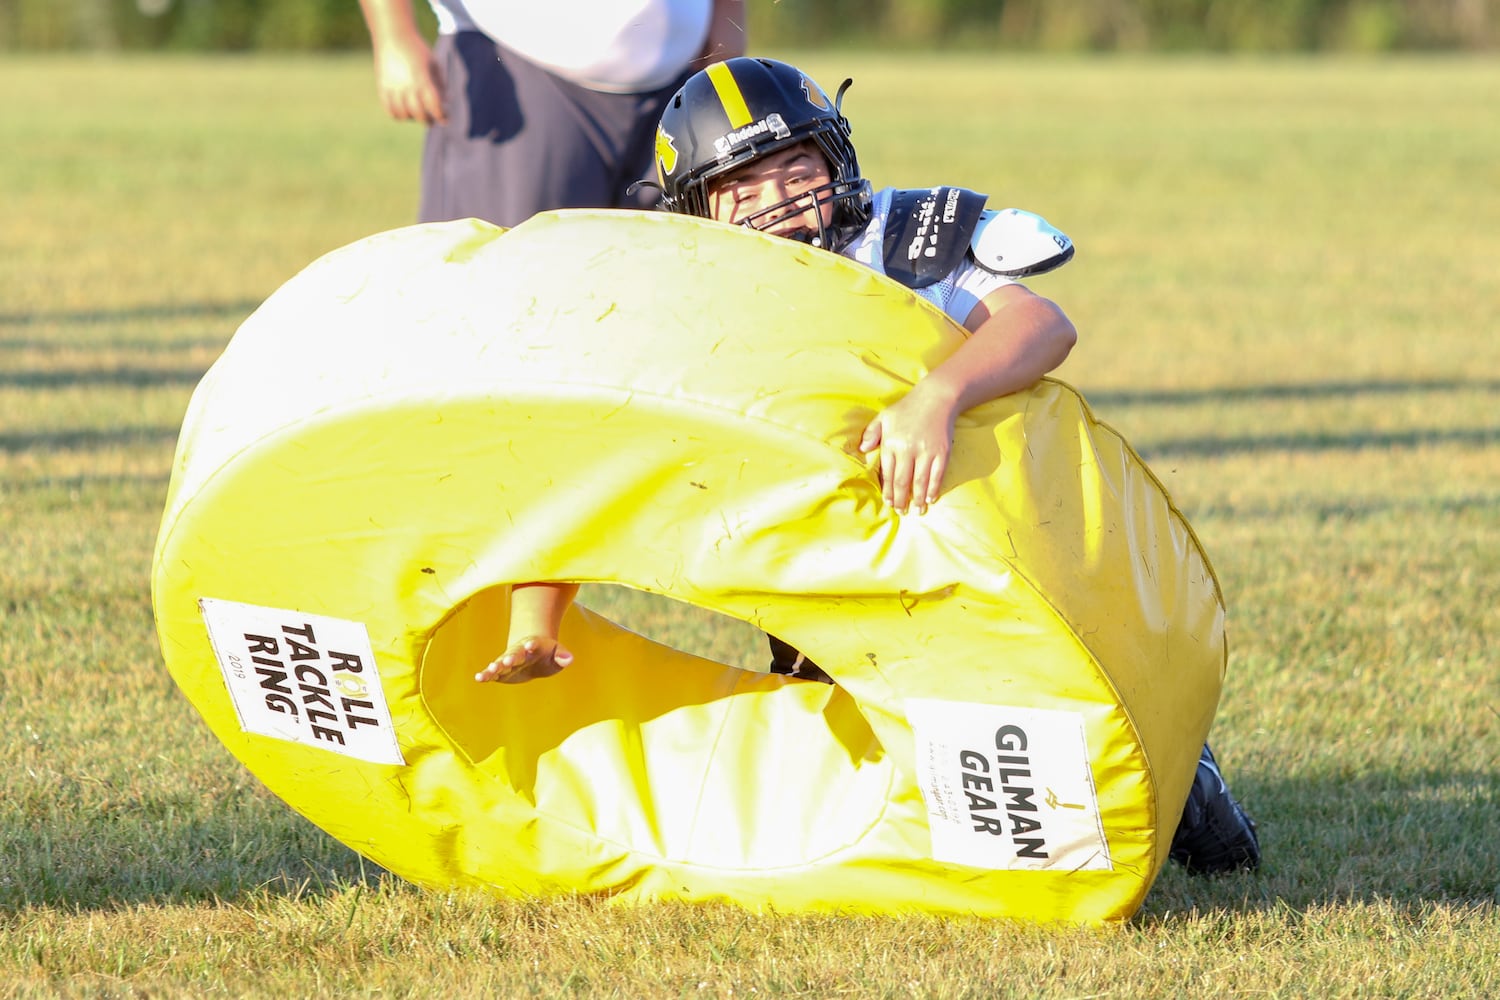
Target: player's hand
[(915, 437), (410, 84), (531, 658)]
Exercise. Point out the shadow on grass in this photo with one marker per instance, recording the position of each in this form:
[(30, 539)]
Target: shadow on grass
[(128, 376), (1407, 838), (192, 859), (129, 314), (1157, 451), (1287, 391), (1392, 836), (1216, 446), (1346, 509), (16, 442)]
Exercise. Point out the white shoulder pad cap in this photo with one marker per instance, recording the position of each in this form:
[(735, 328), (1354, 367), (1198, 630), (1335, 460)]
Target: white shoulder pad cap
[(1016, 243)]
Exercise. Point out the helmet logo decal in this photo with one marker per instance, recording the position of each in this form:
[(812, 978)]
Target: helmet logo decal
[(772, 123), (666, 153), (814, 93)]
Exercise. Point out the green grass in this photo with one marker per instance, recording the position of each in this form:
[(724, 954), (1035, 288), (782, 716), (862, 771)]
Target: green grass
[(1288, 299)]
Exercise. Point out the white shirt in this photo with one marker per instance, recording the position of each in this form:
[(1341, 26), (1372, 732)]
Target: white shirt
[(617, 46), (956, 294)]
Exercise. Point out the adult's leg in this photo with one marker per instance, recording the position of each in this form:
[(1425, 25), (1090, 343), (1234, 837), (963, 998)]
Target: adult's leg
[(518, 140)]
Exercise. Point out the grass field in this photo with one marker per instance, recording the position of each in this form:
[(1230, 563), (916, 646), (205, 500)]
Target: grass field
[(1288, 297)]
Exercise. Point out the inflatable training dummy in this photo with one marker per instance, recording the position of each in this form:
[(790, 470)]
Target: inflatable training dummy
[(1024, 675)]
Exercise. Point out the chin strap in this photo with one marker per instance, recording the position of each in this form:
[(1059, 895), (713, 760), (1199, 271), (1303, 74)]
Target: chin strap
[(644, 183)]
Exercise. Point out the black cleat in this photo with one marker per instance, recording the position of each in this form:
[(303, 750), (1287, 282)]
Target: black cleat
[(1215, 836), (788, 659)]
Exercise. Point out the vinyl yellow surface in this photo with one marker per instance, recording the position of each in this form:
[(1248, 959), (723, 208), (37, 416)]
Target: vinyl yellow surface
[(1024, 675)]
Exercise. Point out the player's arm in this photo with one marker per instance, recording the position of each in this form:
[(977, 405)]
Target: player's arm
[(532, 649), (1016, 337), (410, 85)]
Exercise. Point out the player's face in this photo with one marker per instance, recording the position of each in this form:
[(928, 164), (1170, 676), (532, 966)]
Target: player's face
[(785, 181)]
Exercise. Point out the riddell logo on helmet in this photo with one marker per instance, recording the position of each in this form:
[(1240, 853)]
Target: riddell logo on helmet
[(772, 123)]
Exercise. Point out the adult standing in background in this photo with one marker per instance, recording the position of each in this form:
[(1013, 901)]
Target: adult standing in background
[(534, 106)]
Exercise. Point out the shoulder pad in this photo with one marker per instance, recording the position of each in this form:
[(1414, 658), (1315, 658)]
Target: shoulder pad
[(928, 232), (1016, 243)]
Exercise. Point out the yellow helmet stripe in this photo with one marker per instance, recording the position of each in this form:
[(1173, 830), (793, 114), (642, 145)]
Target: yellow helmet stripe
[(729, 95)]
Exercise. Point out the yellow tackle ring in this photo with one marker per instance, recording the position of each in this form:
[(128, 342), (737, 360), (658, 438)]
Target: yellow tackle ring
[(417, 421)]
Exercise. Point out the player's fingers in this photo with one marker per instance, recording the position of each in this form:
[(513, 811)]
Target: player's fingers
[(528, 659), (920, 474), (934, 486), (887, 475), (898, 487), (542, 666), (495, 670)]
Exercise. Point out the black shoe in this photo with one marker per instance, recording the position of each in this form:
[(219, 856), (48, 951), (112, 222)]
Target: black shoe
[(1215, 836)]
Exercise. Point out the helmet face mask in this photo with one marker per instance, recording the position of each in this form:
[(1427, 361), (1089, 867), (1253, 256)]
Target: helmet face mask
[(821, 203), (737, 112)]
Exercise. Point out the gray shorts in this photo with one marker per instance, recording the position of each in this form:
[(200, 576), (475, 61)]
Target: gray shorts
[(520, 140)]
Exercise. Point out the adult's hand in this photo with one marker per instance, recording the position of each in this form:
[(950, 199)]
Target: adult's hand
[(409, 82)]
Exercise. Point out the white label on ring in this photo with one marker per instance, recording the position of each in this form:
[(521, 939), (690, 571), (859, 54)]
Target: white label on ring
[(1007, 788), (303, 678)]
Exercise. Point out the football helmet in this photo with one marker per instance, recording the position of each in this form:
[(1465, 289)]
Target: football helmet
[(737, 111)]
